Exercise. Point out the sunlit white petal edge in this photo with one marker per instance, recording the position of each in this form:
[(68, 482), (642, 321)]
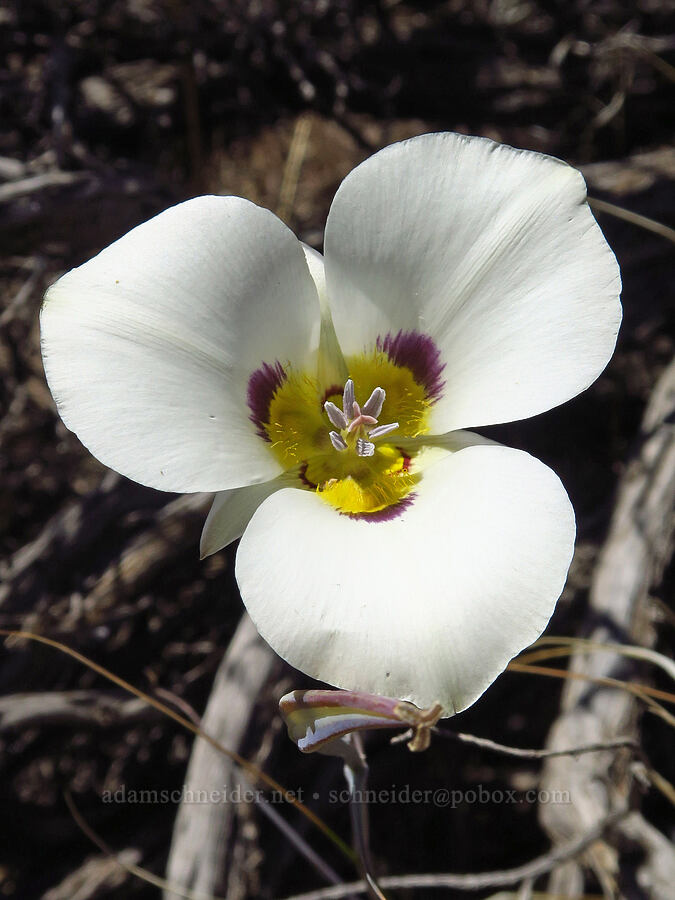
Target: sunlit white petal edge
[(383, 550), (148, 348), (492, 251), (429, 606)]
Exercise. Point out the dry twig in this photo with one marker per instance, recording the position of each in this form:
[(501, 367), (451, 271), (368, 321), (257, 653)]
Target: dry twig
[(531, 870)]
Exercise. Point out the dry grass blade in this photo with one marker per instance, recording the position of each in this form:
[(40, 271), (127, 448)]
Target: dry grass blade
[(634, 218), (581, 645), (204, 856), (136, 871), (539, 866), (185, 723), (660, 783), (294, 161), (645, 693)]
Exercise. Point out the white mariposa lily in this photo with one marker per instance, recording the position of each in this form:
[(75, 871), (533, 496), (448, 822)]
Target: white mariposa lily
[(385, 548)]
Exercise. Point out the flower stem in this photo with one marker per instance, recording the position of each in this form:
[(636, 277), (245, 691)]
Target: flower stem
[(356, 774)]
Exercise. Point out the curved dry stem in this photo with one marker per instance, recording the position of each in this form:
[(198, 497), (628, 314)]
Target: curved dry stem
[(582, 645), (521, 753), (483, 880), (294, 161), (644, 693), (356, 775), (634, 218), (241, 761), (661, 784), (136, 871)]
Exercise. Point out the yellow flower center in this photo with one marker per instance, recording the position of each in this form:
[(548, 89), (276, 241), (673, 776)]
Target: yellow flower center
[(351, 460)]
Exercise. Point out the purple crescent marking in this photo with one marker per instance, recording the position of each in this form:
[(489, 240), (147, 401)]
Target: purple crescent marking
[(385, 515), (262, 386), (419, 353)]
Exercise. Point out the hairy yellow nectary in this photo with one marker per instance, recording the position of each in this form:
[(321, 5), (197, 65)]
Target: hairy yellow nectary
[(298, 429)]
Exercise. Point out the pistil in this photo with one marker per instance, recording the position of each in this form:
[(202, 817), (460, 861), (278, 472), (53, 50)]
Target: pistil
[(356, 424)]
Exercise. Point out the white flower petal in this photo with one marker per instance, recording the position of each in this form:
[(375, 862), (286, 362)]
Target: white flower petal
[(490, 251), (429, 606), (315, 265), (149, 346), (332, 369), (231, 512)]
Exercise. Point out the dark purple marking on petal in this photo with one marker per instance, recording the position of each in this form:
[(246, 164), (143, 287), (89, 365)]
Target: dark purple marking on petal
[(386, 514), (419, 353), (262, 386), (331, 392), (302, 475)]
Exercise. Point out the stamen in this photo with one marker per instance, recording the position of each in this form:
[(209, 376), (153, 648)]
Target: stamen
[(373, 405), (364, 448), (348, 398), (335, 414), (382, 429), (337, 440), (355, 420)]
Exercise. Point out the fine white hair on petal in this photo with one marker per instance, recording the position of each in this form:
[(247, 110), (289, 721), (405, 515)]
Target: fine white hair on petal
[(491, 252), (495, 530), (148, 347)]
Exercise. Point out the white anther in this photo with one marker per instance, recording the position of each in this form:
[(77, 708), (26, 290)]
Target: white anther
[(335, 414), (382, 429), (354, 419), (373, 405), (348, 398), (364, 448)]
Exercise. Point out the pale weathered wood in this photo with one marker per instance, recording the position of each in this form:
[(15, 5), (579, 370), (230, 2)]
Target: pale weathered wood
[(74, 709), (199, 849), (633, 558), (175, 526), (96, 877), (70, 532)]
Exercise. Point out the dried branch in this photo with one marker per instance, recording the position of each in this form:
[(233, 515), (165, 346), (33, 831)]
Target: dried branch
[(200, 858), (76, 709), (122, 860), (487, 744), (37, 183), (25, 292), (14, 636), (593, 710), (533, 869)]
